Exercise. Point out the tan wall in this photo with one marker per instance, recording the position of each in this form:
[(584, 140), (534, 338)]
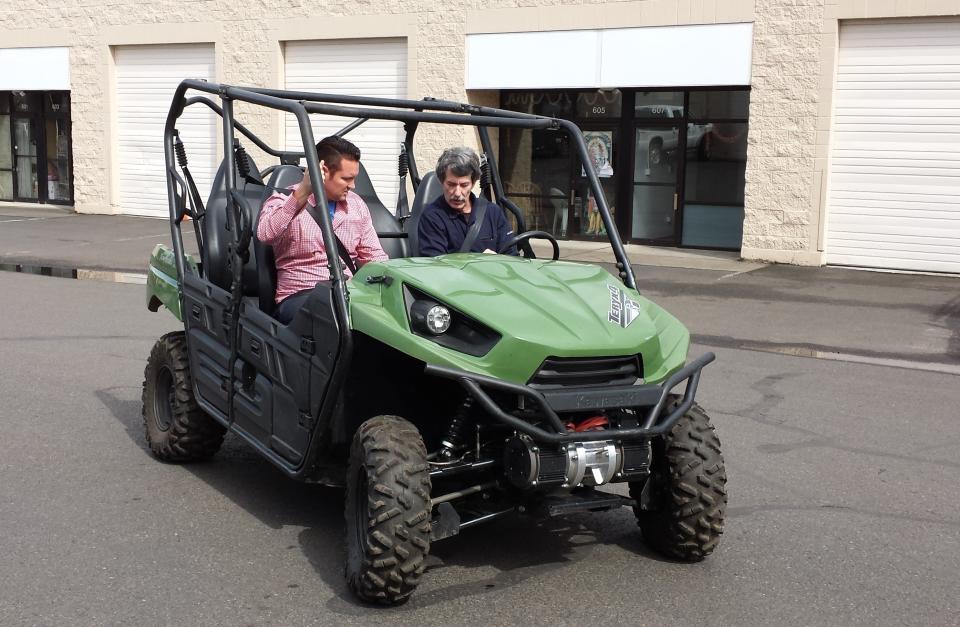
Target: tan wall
[(794, 55), (791, 107)]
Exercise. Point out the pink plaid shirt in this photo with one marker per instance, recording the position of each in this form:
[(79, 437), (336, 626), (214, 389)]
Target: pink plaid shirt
[(298, 244)]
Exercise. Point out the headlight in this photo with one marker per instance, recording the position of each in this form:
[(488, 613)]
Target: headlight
[(430, 316), (446, 326)]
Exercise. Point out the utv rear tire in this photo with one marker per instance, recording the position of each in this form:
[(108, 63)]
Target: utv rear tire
[(687, 492), (387, 510), (177, 429)]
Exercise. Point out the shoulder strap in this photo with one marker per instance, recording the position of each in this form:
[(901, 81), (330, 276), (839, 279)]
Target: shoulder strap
[(341, 249), (479, 211)]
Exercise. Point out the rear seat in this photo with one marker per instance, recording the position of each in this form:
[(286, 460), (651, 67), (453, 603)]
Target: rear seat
[(217, 237)]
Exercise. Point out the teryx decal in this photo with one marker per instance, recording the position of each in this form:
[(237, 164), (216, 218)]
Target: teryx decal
[(623, 311)]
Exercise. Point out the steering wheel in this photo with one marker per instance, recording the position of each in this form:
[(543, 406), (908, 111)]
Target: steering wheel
[(528, 235)]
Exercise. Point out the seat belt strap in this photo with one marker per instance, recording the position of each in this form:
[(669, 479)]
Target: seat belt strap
[(479, 211), (341, 249)]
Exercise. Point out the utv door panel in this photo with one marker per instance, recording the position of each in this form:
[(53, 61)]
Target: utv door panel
[(204, 308), (292, 371), (251, 402)]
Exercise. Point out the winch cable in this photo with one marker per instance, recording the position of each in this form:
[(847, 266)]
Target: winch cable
[(589, 424)]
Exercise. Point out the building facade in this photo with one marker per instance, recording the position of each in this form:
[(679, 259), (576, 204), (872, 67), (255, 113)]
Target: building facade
[(797, 131)]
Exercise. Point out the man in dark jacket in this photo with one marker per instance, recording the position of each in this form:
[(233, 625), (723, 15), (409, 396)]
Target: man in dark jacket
[(446, 222)]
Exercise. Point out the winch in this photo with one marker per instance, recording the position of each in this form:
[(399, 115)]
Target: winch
[(528, 464)]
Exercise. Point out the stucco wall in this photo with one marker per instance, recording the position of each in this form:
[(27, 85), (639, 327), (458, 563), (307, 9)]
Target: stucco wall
[(791, 107)]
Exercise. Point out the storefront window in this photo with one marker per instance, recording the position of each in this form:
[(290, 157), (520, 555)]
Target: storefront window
[(720, 104), (715, 169), (35, 151), (57, 122), (535, 164), (602, 149), (671, 163)]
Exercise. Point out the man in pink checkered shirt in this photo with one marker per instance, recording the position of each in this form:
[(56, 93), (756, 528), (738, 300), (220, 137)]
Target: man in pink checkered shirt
[(296, 238)]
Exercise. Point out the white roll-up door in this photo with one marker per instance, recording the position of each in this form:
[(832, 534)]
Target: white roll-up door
[(361, 67), (146, 77), (894, 188)]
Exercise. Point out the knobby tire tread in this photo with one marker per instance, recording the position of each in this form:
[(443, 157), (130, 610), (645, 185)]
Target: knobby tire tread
[(688, 490), (193, 434), (387, 467)]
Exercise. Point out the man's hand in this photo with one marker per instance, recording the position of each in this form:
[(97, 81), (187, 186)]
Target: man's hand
[(306, 187)]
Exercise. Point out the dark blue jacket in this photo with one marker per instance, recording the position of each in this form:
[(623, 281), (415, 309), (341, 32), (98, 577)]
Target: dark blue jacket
[(443, 229)]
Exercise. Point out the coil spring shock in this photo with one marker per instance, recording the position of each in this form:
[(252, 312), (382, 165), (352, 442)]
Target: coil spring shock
[(243, 160), (485, 177), (180, 150), (457, 430), (403, 162)]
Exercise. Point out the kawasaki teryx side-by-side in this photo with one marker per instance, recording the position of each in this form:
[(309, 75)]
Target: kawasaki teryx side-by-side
[(441, 392)]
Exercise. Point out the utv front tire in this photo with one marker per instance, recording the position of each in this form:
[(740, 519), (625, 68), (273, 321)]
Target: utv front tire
[(387, 510), (177, 429), (687, 494)]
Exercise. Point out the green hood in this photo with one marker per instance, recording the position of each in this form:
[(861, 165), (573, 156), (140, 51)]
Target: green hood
[(541, 308)]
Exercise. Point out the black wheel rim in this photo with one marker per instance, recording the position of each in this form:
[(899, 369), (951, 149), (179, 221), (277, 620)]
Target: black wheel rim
[(163, 399)]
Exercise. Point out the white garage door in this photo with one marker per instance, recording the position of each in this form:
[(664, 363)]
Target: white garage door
[(146, 77), (361, 67), (894, 199)]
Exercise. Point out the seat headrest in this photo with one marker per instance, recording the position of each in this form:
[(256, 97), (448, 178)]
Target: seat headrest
[(284, 176), (429, 190)]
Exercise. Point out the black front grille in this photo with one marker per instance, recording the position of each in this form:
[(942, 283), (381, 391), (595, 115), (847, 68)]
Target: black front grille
[(559, 372)]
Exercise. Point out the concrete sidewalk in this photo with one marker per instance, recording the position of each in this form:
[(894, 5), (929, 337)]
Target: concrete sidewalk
[(903, 320), (46, 236)]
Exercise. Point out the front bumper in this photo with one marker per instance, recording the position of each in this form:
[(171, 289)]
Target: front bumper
[(650, 401)]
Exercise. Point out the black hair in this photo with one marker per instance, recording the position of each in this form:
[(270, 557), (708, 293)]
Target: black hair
[(331, 150)]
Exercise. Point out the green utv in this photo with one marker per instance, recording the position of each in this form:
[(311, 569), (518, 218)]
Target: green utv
[(440, 392)]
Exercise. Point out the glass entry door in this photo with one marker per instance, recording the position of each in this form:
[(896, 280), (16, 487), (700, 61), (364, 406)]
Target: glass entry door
[(658, 146), (26, 117), (25, 157), (656, 183)]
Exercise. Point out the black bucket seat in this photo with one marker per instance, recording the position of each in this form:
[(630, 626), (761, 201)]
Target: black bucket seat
[(428, 191)]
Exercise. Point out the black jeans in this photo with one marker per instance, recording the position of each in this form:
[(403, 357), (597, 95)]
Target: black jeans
[(289, 306)]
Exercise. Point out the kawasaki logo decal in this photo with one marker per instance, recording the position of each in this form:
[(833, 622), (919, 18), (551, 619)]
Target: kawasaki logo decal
[(623, 311)]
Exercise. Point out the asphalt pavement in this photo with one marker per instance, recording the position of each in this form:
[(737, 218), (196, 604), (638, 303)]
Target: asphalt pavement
[(836, 395)]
